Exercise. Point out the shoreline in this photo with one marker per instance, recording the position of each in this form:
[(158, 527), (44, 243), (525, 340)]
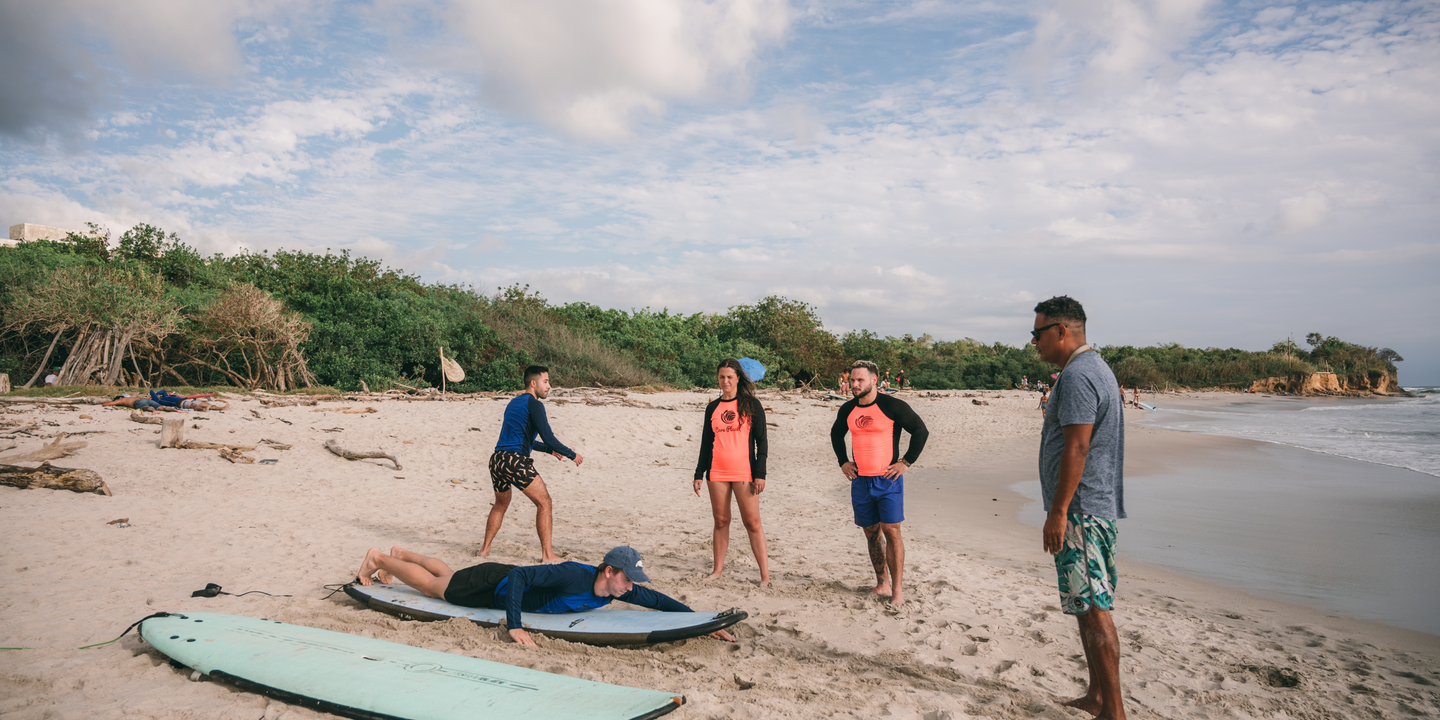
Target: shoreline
[(988, 507)]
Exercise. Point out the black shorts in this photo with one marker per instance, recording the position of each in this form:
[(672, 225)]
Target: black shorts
[(511, 468), (475, 586)]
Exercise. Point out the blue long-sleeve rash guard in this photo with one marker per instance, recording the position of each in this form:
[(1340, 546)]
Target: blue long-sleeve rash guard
[(567, 587), (524, 419)]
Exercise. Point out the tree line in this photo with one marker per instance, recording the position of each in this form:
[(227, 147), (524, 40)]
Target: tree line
[(150, 310)]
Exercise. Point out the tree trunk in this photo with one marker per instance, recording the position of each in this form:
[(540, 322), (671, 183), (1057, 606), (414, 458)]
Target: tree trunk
[(46, 361), (4, 383), (172, 433), (45, 476)]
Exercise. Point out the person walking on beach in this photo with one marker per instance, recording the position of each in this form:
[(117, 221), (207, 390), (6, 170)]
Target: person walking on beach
[(545, 589), (1082, 460), (877, 474), (511, 466), (733, 447)]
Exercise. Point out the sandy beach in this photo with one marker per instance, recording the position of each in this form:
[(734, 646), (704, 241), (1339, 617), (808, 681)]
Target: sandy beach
[(980, 636)]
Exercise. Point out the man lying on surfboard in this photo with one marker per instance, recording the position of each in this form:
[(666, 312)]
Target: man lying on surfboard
[(560, 588)]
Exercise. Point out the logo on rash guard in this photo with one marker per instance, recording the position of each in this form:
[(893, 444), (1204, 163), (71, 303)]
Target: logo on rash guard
[(728, 416), (864, 421)]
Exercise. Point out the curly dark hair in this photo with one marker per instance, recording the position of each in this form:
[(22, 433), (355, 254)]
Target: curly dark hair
[(1062, 308)]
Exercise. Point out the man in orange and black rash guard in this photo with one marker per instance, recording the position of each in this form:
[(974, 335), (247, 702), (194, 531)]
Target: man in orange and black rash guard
[(877, 474)]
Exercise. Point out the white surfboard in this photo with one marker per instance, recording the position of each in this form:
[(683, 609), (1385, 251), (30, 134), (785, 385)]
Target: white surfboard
[(593, 627)]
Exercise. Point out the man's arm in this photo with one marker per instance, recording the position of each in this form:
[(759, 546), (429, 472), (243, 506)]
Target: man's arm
[(839, 430), (906, 418), (647, 598), (1072, 468), (531, 577), (541, 424)]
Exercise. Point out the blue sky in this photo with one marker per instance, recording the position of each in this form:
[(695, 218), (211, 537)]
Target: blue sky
[(1209, 173)]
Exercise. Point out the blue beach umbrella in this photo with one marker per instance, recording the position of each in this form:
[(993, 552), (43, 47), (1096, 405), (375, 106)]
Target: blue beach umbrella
[(753, 369)]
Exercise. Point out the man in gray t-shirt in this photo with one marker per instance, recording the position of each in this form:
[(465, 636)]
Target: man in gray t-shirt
[(1082, 462)]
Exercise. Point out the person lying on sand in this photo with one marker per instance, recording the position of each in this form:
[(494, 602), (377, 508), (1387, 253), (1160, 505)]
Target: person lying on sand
[(549, 589), (139, 403)]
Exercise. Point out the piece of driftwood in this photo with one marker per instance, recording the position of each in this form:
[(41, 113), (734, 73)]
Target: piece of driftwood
[(172, 433), (348, 410), (334, 447), (4, 382), (53, 401), (235, 455), (287, 402), (55, 478), (48, 452), (197, 445), (141, 416), (275, 444)]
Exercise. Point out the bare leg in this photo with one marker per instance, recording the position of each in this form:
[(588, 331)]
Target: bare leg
[(1102, 654), (720, 505), (544, 521), (413, 574), (876, 543), (895, 560), (749, 504), (492, 523)]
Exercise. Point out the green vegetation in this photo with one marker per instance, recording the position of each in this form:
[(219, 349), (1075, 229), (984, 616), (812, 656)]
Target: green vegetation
[(151, 310)]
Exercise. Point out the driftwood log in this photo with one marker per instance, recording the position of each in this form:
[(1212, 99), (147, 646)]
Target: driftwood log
[(54, 401), (48, 452), (172, 433), (287, 403), (348, 410), (4, 382), (45, 476), (141, 416), (196, 445), (334, 447)]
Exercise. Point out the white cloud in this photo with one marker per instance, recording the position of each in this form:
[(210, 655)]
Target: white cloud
[(595, 69)]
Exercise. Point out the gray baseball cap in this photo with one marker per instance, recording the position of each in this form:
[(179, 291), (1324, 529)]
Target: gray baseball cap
[(627, 560)]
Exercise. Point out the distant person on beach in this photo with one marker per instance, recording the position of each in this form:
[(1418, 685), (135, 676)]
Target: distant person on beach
[(1082, 459), (1137, 397), (511, 466), (546, 589), (733, 448), (52, 378), (900, 380), (1044, 401), (877, 474)]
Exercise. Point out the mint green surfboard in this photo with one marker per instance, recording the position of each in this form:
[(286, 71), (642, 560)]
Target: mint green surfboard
[(361, 677)]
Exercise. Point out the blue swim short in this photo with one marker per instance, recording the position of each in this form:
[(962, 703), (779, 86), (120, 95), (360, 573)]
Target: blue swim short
[(878, 499), (145, 403)]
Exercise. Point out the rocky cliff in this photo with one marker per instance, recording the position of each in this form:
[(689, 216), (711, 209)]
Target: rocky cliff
[(1374, 382)]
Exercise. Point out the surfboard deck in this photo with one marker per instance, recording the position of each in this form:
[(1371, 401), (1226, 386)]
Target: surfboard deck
[(594, 627), (361, 677)]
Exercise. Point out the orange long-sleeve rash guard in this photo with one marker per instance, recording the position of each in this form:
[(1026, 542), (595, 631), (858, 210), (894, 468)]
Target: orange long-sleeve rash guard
[(875, 434)]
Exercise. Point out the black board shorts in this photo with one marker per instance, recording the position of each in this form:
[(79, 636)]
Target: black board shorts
[(475, 586), (509, 468)]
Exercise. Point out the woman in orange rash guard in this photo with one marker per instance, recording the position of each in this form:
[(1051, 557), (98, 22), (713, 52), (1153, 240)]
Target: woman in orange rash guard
[(732, 453)]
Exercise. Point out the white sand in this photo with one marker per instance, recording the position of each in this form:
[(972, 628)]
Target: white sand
[(980, 636)]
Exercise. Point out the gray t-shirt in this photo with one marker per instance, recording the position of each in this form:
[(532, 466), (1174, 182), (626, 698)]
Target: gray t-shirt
[(1087, 394)]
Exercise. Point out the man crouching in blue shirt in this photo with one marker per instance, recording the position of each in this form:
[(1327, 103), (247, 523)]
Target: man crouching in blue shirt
[(561, 588)]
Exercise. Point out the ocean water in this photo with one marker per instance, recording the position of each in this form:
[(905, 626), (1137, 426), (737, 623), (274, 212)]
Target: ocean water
[(1397, 432)]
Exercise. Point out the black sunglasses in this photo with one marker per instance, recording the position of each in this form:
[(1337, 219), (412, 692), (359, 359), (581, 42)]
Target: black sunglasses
[(1035, 334)]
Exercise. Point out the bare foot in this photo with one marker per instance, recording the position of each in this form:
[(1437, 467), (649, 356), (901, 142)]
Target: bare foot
[(368, 566), (764, 582), (1086, 703), (712, 576), (483, 552), (553, 559), (897, 598), (882, 589)]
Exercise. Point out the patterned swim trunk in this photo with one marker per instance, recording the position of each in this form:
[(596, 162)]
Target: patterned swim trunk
[(511, 468), (1086, 564)]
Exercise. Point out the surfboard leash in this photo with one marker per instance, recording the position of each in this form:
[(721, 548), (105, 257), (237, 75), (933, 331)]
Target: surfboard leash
[(340, 587), (132, 627)]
